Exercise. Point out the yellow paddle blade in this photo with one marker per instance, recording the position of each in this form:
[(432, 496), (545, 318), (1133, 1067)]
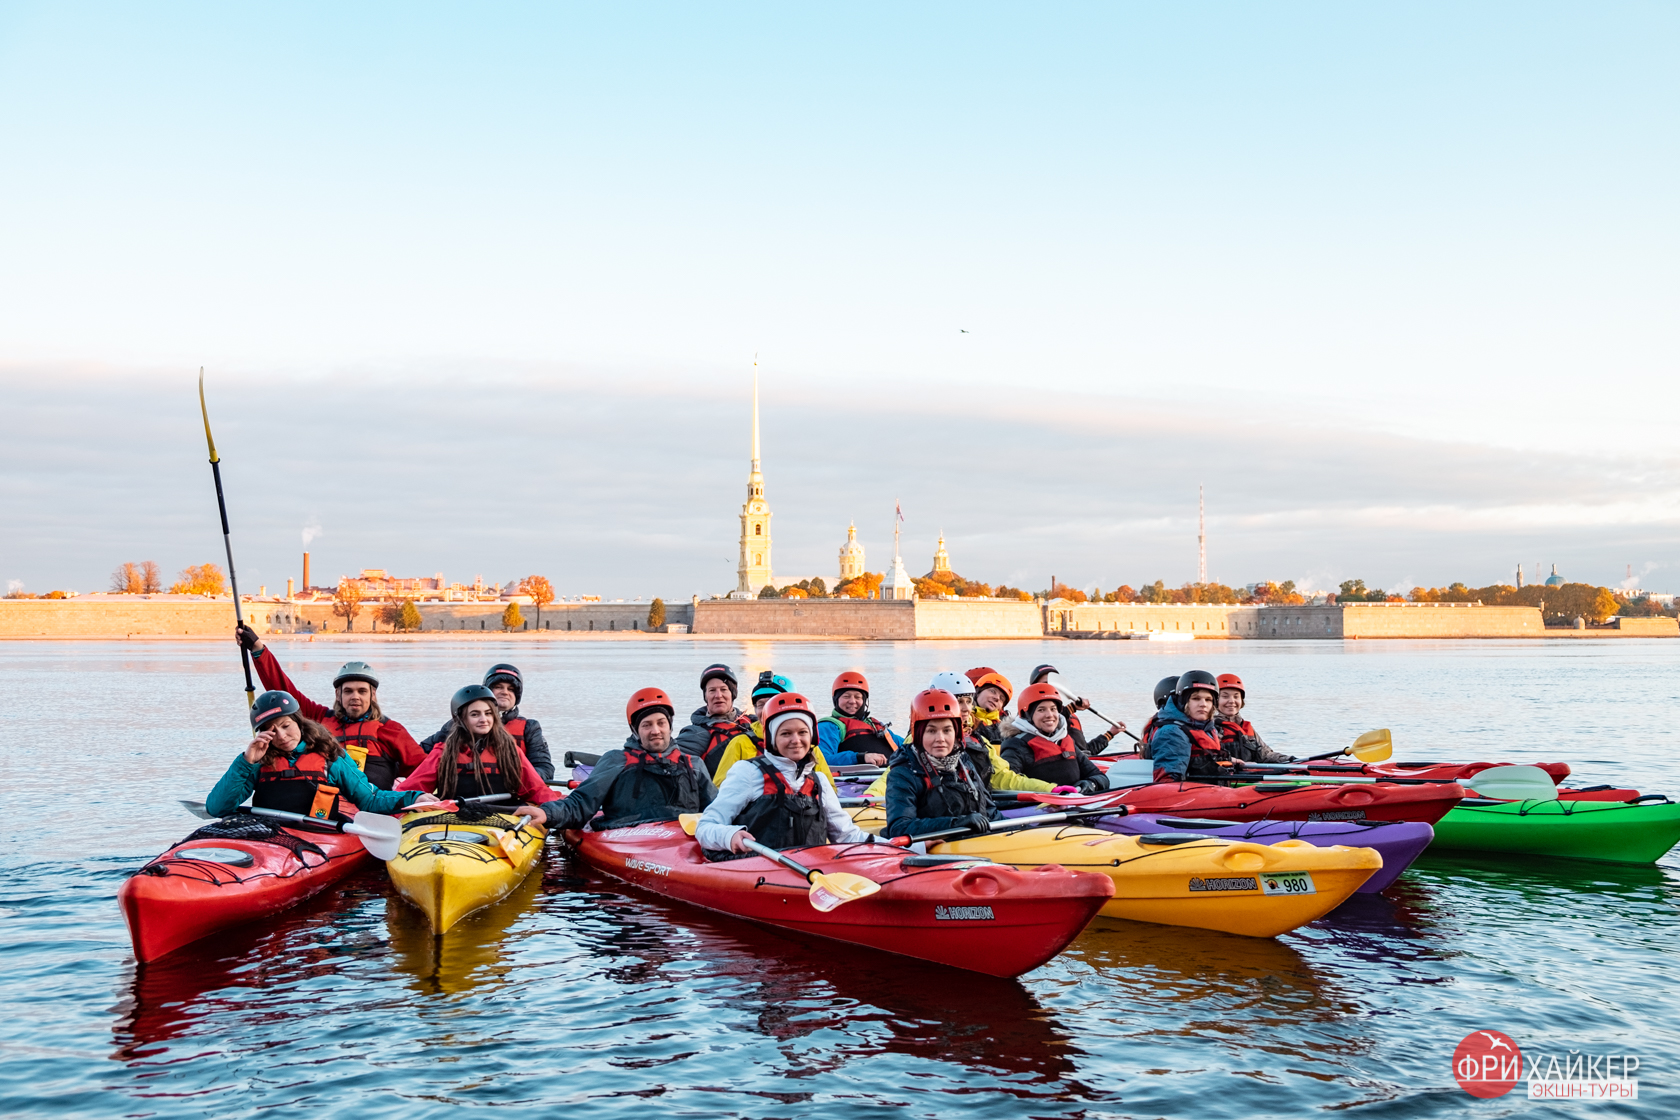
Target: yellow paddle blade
[(838, 888), (688, 822), (508, 844), (1373, 746)]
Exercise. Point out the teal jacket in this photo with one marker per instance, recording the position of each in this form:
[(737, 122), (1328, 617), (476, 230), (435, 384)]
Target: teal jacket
[(241, 779)]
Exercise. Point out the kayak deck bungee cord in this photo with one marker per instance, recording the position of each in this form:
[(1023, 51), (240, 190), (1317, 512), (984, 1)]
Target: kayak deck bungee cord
[(449, 864), (1603, 831)]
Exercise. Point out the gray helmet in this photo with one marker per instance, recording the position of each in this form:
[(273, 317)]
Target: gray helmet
[(356, 671), (1041, 672), (720, 672), (1194, 679), (465, 696), (506, 672), (1164, 688), (270, 706)]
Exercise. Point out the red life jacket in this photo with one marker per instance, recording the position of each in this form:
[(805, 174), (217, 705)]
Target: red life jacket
[(516, 728), (1056, 763), (466, 782), (1233, 729), (783, 817), (361, 742), (719, 737), (852, 728), (297, 785), (1149, 729)]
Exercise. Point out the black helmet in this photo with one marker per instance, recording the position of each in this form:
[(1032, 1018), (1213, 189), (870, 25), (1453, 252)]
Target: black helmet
[(1041, 672), (720, 672), (1194, 679), (1164, 688), (270, 706), (465, 696), (506, 672), (356, 671)]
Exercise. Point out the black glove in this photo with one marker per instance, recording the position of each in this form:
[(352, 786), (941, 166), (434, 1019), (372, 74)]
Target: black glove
[(978, 822), (247, 637), (1092, 785)]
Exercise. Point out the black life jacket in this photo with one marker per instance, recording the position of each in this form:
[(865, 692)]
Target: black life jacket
[(989, 730), (1056, 763), (653, 788), (720, 735), (954, 794), (1238, 740), (870, 735), (979, 757), (466, 782), (783, 817), (297, 785)]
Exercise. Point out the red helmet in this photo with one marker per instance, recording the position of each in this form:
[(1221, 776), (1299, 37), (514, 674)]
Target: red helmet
[(785, 703), (1034, 693), (646, 700), (931, 704), (993, 679), (977, 672), (850, 680), (1231, 680)]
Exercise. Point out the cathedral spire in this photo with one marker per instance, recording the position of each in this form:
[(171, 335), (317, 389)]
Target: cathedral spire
[(753, 570)]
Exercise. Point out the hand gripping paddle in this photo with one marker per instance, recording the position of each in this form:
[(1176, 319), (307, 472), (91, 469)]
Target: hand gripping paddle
[(828, 891)]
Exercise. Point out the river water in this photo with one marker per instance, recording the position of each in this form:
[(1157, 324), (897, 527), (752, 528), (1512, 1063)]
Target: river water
[(579, 995)]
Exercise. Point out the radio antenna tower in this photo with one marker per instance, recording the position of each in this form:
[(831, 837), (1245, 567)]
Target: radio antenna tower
[(1201, 535)]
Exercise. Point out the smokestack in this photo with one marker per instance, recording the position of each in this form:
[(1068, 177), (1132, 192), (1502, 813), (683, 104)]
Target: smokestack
[(291, 592), (306, 571)]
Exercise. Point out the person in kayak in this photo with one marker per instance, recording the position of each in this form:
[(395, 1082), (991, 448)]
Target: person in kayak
[(992, 691), (382, 747), (750, 741), (480, 758), (646, 781), (851, 736), (778, 798), (1237, 737), (1164, 688), (717, 721), (933, 785), (293, 764), (1042, 747), (1071, 707), (1186, 742), (508, 686)]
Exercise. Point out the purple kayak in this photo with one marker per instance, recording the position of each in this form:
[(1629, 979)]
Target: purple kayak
[(1399, 842)]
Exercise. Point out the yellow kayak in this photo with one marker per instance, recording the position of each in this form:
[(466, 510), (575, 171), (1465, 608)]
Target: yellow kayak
[(449, 867), (1181, 879)]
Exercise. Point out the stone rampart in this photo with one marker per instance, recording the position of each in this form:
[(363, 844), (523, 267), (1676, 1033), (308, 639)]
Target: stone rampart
[(140, 616), (317, 616), (1648, 627), (840, 618), (1334, 622), (1001, 618), (1439, 620)]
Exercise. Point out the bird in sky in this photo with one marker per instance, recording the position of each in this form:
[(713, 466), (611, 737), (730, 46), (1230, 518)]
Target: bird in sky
[(963, 331)]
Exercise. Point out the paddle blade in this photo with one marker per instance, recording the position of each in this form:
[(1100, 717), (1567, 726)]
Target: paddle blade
[(835, 889), (1514, 783), (688, 822), (1373, 746), (197, 809), (380, 835)]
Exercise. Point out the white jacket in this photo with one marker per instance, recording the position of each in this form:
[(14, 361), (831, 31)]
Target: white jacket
[(744, 784)]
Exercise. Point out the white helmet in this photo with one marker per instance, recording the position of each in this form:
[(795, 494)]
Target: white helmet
[(954, 683)]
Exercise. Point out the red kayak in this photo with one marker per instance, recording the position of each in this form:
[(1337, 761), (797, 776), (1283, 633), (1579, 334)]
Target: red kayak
[(1429, 771), (233, 871), (981, 916), (1281, 800)]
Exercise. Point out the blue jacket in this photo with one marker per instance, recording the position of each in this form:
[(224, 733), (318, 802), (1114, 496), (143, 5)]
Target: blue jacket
[(828, 741), (241, 780), (1169, 746)]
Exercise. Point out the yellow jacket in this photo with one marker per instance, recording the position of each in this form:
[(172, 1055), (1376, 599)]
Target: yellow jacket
[(742, 748), (1003, 777)]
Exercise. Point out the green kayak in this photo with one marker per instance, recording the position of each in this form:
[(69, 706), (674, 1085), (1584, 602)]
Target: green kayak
[(1607, 831)]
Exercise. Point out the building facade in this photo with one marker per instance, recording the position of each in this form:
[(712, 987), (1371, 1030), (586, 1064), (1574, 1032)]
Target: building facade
[(851, 555)]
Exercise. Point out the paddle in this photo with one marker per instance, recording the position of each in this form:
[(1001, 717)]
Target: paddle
[(1015, 824), (1518, 783), (1373, 746), (379, 834), (227, 540), (579, 758), (828, 891)]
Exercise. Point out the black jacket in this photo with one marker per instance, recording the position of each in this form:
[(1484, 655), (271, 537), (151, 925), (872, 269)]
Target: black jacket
[(918, 802)]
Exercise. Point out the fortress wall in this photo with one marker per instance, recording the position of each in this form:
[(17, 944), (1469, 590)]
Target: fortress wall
[(847, 618), (1439, 620), (1649, 627), (314, 617), (939, 618), (157, 616), (1203, 621), (1335, 622)]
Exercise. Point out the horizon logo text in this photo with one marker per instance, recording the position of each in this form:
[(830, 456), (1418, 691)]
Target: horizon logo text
[(1489, 1064)]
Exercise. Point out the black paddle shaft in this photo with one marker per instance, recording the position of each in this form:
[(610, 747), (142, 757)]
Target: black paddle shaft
[(227, 542)]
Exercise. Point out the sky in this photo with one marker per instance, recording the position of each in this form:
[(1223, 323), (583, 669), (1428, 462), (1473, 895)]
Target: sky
[(479, 291)]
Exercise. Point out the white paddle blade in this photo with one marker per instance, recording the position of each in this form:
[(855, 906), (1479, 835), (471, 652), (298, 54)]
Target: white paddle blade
[(380, 835), (1514, 783)]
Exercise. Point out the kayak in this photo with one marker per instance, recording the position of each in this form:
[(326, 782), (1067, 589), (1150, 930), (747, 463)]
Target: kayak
[(232, 871), (1606, 831), (1398, 842), (449, 866), (999, 920), (1430, 771), (1282, 800), (1176, 878)]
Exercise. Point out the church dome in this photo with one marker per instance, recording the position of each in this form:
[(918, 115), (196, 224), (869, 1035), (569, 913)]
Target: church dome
[(851, 555), (1554, 580)]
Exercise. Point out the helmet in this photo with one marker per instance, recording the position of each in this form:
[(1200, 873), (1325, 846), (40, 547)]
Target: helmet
[(929, 704), (720, 672), (995, 680), (508, 673), (1041, 672), (1034, 693), (465, 696), (1194, 679), (1164, 688), (769, 684), (270, 706), (977, 672), (646, 700), (356, 671), (1231, 680), (784, 705), (849, 681), (954, 683)]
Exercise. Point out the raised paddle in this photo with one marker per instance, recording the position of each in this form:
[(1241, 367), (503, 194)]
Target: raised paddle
[(227, 541), (828, 891), (1373, 746), (379, 834)]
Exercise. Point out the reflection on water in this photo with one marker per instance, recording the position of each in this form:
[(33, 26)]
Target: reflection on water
[(578, 994)]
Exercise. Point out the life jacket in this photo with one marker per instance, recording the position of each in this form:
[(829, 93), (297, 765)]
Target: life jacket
[(1149, 729), (955, 794), (784, 817), (360, 741), (466, 782), (1206, 751), (654, 787), (979, 757), (872, 731), (1237, 738), (719, 736), (988, 726), (516, 728), (297, 785), (1056, 763)]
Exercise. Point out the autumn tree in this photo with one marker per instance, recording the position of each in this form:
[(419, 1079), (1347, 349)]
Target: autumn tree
[(408, 617), (656, 614), (201, 579), (511, 618), (151, 580), (865, 586), (347, 603), (1060, 590), (817, 588), (541, 592), (125, 580), (1006, 592)]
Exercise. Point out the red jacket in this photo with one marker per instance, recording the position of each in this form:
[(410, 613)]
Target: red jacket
[(529, 787), (391, 739)]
